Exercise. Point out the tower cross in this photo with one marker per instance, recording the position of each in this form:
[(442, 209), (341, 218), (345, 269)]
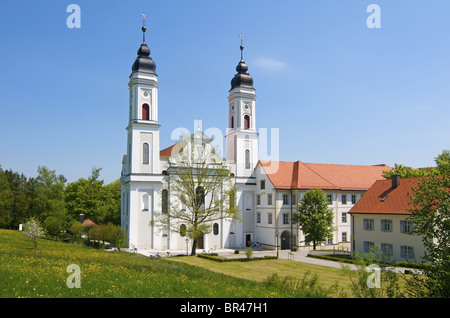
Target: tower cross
[(143, 27), (242, 46)]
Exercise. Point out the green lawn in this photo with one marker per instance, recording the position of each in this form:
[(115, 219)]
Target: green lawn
[(262, 269), (106, 274)]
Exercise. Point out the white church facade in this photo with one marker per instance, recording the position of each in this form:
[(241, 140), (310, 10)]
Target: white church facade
[(266, 192)]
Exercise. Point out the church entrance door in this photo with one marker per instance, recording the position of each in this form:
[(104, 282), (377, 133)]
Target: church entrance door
[(285, 240), (200, 242)]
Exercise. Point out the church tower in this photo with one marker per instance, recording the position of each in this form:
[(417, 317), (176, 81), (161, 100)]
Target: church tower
[(141, 173), (242, 138), (143, 127)]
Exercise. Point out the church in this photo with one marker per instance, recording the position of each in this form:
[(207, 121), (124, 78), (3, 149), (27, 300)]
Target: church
[(266, 192)]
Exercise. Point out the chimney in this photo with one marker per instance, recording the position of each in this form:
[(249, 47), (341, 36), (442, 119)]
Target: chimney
[(81, 218), (395, 181)]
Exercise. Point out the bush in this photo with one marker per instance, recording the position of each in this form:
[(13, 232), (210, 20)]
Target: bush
[(223, 259)]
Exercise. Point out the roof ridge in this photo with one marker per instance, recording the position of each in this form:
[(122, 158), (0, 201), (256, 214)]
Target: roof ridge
[(319, 175)]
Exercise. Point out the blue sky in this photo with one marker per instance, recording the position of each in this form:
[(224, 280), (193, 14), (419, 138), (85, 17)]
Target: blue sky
[(338, 91)]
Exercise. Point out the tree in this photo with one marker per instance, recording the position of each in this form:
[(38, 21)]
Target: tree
[(47, 195), (92, 198), (33, 229), (52, 226), (200, 188), (408, 172), (431, 220), (314, 217)]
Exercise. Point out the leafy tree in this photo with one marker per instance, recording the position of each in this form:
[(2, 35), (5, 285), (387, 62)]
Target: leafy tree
[(33, 229), (47, 195), (408, 172), (314, 217), (76, 229), (115, 234), (200, 182), (92, 198), (431, 220), (52, 226), (6, 201)]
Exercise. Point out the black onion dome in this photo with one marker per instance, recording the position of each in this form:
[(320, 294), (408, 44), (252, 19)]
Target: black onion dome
[(144, 62), (242, 78)]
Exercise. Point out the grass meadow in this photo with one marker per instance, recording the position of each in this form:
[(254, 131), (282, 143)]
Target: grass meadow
[(111, 274)]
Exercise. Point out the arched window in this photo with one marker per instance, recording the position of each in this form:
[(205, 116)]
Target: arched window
[(165, 201), (231, 199), (246, 122), (145, 154), (247, 159), (183, 230), (145, 199), (200, 193), (232, 122), (145, 112), (216, 229)]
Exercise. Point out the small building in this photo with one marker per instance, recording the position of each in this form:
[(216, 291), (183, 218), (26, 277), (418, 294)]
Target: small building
[(381, 217)]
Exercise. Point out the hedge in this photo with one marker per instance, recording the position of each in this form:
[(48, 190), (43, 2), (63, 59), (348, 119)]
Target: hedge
[(216, 258)]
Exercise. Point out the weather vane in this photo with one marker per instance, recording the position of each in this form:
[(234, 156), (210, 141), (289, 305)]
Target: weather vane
[(143, 26)]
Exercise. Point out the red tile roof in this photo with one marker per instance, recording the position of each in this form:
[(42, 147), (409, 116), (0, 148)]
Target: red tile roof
[(382, 198), (299, 175)]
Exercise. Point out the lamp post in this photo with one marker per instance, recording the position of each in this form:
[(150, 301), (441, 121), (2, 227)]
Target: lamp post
[(276, 240), (187, 248)]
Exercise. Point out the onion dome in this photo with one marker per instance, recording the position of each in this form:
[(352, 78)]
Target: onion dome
[(144, 62), (242, 78)]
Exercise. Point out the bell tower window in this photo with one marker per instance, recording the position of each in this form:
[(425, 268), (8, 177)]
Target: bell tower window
[(232, 122), (145, 154), (145, 112), (246, 122)]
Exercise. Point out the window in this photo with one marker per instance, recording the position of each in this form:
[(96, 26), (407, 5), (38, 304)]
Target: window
[(247, 159), (269, 199), (165, 201), (145, 112), (232, 122), (285, 218), (407, 251), (344, 236), (344, 199), (344, 217), (330, 198), (145, 154), (246, 122), (269, 218), (368, 224), (285, 199), (183, 230), (368, 246), (145, 199), (353, 198), (386, 225), (330, 240), (258, 217), (200, 195), (262, 184), (258, 199), (294, 199), (387, 249), (248, 202), (406, 226), (216, 229), (231, 199)]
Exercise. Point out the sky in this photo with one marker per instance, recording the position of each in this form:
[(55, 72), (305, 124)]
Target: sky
[(338, 91)]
